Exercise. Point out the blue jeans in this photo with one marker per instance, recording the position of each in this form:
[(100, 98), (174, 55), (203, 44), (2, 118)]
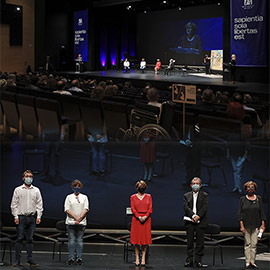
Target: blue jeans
[(26, 227), (75, 240), (238, 165), (98, 156)]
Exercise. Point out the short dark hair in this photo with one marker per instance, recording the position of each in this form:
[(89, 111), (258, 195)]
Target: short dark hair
[(25, 172), (208, 95)]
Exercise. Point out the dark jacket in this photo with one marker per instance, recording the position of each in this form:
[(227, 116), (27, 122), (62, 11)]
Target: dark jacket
[(201, 206)]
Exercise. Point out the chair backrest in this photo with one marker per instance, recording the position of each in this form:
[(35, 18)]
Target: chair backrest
[(92, 115), (218, 126), (213, 229), (49, 115), (70, 107), (61, 225), (26, 108), (115, 117), (10, 109)]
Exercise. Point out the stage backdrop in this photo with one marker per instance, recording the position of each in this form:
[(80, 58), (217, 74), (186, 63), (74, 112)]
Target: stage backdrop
[(81, 34), (248, 32)]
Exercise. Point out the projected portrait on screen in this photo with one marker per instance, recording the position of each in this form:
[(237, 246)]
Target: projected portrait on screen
[(190, 42)]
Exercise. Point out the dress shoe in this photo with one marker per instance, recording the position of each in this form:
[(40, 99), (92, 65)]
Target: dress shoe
[(254, 266), (16, 264), (188, 264), (31, 263), (200, 265)]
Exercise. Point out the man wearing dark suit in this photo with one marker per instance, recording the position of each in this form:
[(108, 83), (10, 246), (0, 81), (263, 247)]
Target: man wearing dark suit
[(195, 207)]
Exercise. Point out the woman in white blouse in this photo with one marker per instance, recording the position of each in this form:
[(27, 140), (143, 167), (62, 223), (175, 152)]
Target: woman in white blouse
[(76, 207)]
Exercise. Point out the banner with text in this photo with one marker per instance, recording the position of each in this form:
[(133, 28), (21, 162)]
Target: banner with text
[(81, 34), (248, 32)]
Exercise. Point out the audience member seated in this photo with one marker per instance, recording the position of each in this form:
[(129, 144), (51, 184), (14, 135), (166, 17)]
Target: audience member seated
[(75, 86), (3, 84), (98, 93), (153, 97), (111, 90), (51, 82), (61, 89), (102, 84), (33, 83), (237, 97), (11, 81), (207, 102)]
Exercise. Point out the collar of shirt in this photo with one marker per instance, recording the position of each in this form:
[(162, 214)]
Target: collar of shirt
[(23, 186), (195, 194)]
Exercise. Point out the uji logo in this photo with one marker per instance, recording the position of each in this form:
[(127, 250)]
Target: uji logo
[(248, 4), (80, 21)]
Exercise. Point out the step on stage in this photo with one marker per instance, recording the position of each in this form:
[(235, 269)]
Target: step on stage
[(162, 257), (161, 81)]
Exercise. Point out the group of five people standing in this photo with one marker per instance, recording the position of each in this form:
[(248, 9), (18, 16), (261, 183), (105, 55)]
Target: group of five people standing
[(27, 208)]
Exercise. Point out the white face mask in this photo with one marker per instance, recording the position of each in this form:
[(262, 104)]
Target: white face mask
[(28, 180), (195, 187)]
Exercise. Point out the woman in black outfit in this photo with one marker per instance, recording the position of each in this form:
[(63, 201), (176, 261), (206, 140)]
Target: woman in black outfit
[(233, 67), (251, 216)]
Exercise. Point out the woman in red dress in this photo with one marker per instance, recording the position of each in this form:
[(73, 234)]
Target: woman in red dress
[(140, 234), (158, 66)]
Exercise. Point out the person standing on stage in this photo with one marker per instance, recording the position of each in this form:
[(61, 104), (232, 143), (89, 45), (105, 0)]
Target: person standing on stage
[(76, 207), (158, 66), (195, 207), (207, 61), (252, 219), (126, 65), (233, 68), (142, 65), (140, 234), (26, 207)]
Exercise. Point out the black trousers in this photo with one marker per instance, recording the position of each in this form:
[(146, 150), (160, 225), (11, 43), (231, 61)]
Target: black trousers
[(195, 232)]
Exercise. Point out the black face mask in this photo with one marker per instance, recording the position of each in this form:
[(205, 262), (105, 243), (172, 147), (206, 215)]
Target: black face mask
[(141, 189)]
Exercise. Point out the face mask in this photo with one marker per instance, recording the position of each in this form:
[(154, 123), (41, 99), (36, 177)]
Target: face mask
[(77, 190), (251, 190), (141, 189), (195, 187), (28, 180)]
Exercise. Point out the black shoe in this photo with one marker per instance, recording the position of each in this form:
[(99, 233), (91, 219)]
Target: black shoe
[(31, 263), (200, 265), (188, 264), (79, 261), (70, 262), (16, 264)]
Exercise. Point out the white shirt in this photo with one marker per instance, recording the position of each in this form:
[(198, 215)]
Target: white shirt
[(26, 201), (126, 64), (76, 204), (62, 92), (142, 64), (76, 89), (195, 197)]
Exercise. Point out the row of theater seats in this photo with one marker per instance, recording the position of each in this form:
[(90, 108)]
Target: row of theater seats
[(39, 112)]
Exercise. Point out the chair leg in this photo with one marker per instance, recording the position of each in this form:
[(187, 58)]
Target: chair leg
[(54, 244), (10, 255), (4, 252), (221, 254), (214, 255)]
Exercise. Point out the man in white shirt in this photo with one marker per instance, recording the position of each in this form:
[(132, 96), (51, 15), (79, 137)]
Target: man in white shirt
[(142, 65), (76, 207), (126, 65), (26, 207), (75, 86), (195, 207)]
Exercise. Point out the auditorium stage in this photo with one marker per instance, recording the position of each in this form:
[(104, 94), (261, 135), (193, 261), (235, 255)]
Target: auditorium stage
[(162, 257), (161, 81)]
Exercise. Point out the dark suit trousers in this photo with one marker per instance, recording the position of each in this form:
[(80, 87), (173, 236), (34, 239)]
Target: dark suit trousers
[(192, 231)]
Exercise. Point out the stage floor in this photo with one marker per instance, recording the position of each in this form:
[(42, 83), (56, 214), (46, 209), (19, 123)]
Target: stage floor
[(165, 257), (190, 77)]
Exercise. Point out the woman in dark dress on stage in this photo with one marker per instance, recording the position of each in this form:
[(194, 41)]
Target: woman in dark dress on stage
[(140, 234), (233, 67)]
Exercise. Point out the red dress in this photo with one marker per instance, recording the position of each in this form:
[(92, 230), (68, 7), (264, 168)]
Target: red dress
[(158, 65), (148, 151), (140, 233)]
